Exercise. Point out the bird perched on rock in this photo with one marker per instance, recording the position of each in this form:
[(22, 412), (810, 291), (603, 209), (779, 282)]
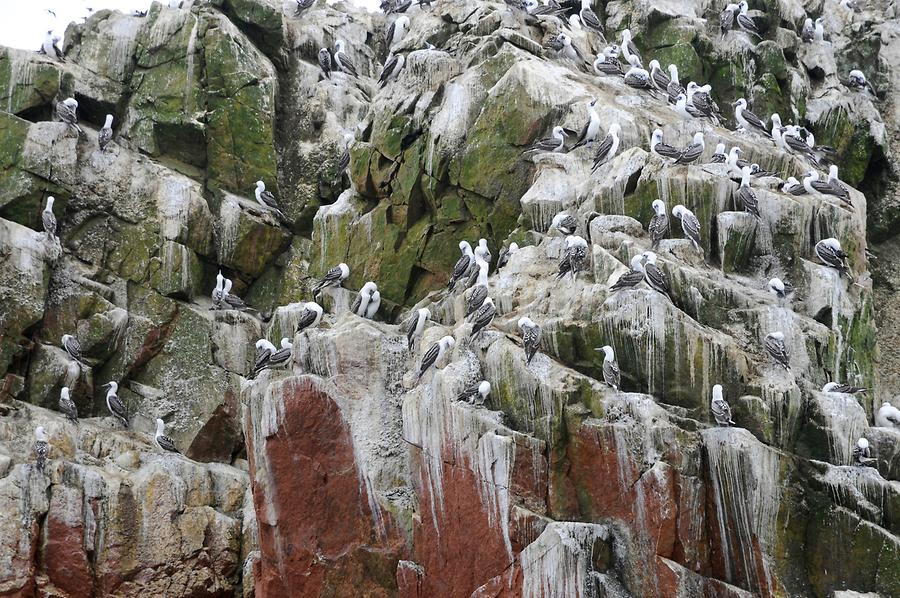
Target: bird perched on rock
[(332, 279), (611, 374), (506, 253), (607, 62), (780, 288), (342, 60), (267, 200), (674, 89), (162, 441), (48, 219), (415, 326), (310, 316), (808, 31), (106, 133), (66, 111), (662, 149), (555, 143), (531, 337), (832, 186), (745, 194), (608, 148), (391, 69), (844, 389), (793, 187), (479, 290), (719, 155), (324, 58), (888, 416), (862, 455), (397, 31), (264, 351), (574, 257), (476, 393), (745, 22), (67, 405), (777, 350), (114, 403), (684, 109), (830, 253), (655, 277), (632, 278), (562, 45), (229, 300), (690, 225), (698, 96), (720, 409), (73, 348), (857, 82), (590, 20), (591, 129), (659, 224), (565, 223), (726, 17), (659, 79), (483, 316), (463, 265), (629, 49), (41, 448), (303, 5), (50, 49), (361, 303), (638, 78), (746, 119), (434, 354), (218, 293), (692, 153), (282, 355)]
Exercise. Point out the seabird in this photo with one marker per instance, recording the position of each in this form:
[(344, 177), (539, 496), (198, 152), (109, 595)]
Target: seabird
[(48, 219), (479, 290), (218, 293), (862, 456), (790, 137), (726, 17), (745, 22), (719, 408), (344, 160), (844, 389), (611, 374), (374, 304), (793, 187), (689, 224), (555, 143), (701, 100), (391, 69), (662, 149), (505, 254), (833, 186), (674, 88), (563, 45), (41, 448), (73, 348), (415, 326), (590, 20), (888, 416), (434, 353), (607, 62), (684, 109), (105, 134), (333, 278), (821, 153), (777, 131), (808, 32), (114, 403), (303, 5), (233, 301), (264, 352), (780, 288), (483, 316), (638, 78), (830, 253), (463, 265), (267, 200), (692, 153), (659, 224), (632, 278), (820, 30), (745, 194), (531, 337), (282, 355), (735, 164), (342, 60), (574, 258), (397, 31), (777, 350), (565, 223), (607, 150), (67, 405), (485, 251), (629, 49), (50, 49), (591, 129), (162, 441), (719, 155), (574, 22), (757, 171), (310, 316), (361, 303), (66, 111), (849, 5), (399, 6), (654, 276), (746, 119), (660, 80), (476, 393), (325, 62)]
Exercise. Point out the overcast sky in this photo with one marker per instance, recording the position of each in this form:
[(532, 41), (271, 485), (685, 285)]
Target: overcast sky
[(25, 22)]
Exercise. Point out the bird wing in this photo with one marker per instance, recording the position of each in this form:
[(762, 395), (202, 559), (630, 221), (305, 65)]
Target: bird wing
[(49, 221), (468, 392), (281, 356), (603, 149), (691, 227), (390, 33), (387, 70), (721, 410), (674, 89), (658, 227), (754, 120), (117, 407), (409, 327), (332, 276), (633, 49), (657, 279), (167, 443), (590, 20), (65, 113), (609, 68), (690, 154), (483, 317), (569, 223), (611, 374), (777, 350), (749, 201), (726, 20), (104, 137), (667, 151), (476, 299), (325, 62), (660, 80), (747, 24), (73, 347), (630, 279), (68, 407), (637, 80), (262, 358), (808, 32), (347, 65), (269, 199), (357, 303), (430, 357)]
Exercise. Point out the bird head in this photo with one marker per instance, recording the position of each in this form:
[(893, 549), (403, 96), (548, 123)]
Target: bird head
[(345, 270), (339, 45), (559, 132), (112, 385), (40, 434), (286, 343), (698, 138), (678, 210), (659, 206), (64, 392), (691, 87), (717, 392), (369, 288), (465, 247), (626, 35), (720, 148), (614, 129), (829, 387), (50, 200), (608, 352), (525, 322), (740, 103), (160, 425), (654, 64), (513, 247), (425, 312), (71, 102), (777, 335), (862, 443), (832, 242), (448, 341), (656, 137), (833, 171), (260, 185), (776, 119), (649, 257), (776, 284), (484, 389)]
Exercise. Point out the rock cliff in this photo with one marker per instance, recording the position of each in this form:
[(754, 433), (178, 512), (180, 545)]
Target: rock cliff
[(338, 474)]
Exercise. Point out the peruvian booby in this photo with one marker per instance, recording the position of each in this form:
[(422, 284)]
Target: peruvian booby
[(302, 5), (735, 164), (757, 171), (777, 131), (310, 316), (591, 129), (483, 316), (476, 393), (699, 98), (324, 58), (41, 448), (531, 337), (659, 224), (505, 254), (106, 133), (333, 278), (590, 20), (719, 155), (654, 276), (629, 49), (484, 250), (748, 120), (48, 219), (638, 78), (162, 441), (844, 389), (218, 293), (397, 31), (726, 17), (692, 153), (114, 403), (888, 416), (719, 408), (808, 32), (479, 290), (267, 200), (391, 69), (564, 223), (415, 326), (780, 288), (777, 350), (689, 224), (746, 195), (574, 258), (73, 348), (66, 111), (555, 143), (67, 406), (434, 354), (820, 30), (685, 110), (659, 79), (862, 455), (857, 81), (830, 253), (793, 187), (745, 22), (608, 148), (50, 49), (232, 301), (463, 265), (674, 88), (662, 149), (282, 355), (611, 374), (344, 160), (342, 60), (607, 62), (264, 351), (363, 297), (832, 186), (632, 278), (562, 44)]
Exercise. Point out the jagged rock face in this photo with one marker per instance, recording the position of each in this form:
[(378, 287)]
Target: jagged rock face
[(339, 474)]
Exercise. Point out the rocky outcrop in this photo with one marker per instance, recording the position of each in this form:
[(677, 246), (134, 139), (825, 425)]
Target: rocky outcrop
[(340, 474)]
